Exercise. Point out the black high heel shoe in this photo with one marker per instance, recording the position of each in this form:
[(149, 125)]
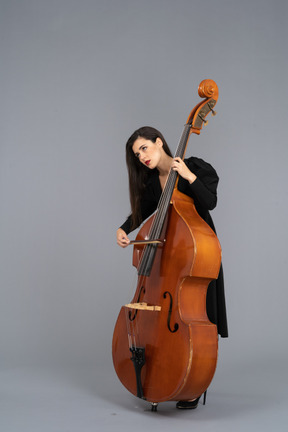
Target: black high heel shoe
[(191, 404)]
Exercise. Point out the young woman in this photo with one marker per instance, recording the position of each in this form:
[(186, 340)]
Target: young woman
[(149, 162)]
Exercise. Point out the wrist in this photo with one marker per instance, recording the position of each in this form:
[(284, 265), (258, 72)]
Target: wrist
[(192, 178)]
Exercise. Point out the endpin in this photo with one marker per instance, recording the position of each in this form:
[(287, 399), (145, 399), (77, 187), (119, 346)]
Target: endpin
[(154, 406)]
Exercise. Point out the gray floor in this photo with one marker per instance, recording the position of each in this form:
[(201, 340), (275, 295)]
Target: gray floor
[(250, 398)]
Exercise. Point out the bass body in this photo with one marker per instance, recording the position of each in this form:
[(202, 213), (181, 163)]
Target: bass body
[(180, 344)]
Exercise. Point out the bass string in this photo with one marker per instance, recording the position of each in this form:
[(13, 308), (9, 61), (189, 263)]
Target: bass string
[(132, 322), (159, 217), (160, 214), (172, 178), (169, 186)]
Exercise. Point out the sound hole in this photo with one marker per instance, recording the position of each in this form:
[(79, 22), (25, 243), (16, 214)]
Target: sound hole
[(176, 326)]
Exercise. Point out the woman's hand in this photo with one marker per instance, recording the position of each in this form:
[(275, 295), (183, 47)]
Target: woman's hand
[(179, 165), (122, 238)]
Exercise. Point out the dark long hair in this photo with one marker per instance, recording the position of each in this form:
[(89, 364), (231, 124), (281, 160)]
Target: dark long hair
[(137, 172)]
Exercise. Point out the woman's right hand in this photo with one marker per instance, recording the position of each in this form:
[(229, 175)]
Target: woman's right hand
[(122, 238)]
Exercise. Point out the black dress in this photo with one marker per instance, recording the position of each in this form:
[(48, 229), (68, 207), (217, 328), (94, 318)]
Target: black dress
[(204, 193)]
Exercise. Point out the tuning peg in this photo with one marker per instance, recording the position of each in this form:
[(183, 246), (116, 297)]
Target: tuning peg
[(201, 115), (211, 108)]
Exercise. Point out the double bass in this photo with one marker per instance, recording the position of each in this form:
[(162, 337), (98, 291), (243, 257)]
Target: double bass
[(164, 346)]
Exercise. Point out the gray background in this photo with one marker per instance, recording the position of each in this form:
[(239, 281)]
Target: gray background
[(77, 78)]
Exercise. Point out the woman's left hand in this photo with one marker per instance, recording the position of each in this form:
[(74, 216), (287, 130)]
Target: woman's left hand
[(179, 165)]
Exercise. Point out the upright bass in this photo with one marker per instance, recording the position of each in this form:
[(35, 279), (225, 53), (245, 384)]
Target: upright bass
[(164, 346)]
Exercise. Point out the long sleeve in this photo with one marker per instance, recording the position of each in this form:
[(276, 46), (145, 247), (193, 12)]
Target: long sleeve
[(126, 226), (204, 189), (147, 208)]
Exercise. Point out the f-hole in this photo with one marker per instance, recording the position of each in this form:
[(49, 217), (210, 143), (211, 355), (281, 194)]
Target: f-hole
[(176, 326)]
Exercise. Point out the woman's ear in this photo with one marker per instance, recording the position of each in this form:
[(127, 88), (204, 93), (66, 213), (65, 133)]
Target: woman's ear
[(159, 142)]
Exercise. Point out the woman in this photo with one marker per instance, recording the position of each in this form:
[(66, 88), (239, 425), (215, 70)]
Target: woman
[(149, 162)]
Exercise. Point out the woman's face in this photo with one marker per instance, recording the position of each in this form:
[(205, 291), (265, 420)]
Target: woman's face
[(148, 152)]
